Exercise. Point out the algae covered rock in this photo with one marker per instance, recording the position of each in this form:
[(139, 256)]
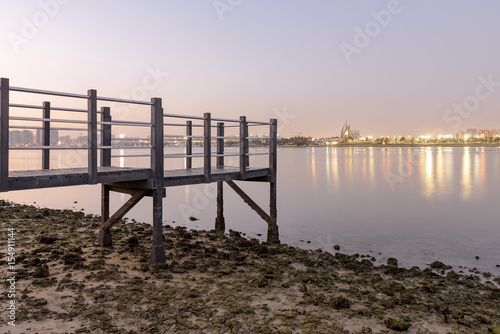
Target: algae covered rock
[(439, 265), (392, 262), (41, 271), (495, 329), (396, 323)]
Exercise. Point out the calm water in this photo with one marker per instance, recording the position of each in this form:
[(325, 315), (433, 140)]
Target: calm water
[(415, 204)]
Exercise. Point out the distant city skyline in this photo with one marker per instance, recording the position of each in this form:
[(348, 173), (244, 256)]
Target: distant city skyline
[(391, 67)]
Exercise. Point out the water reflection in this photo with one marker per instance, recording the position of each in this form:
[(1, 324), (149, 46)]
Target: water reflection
[(431, 172), (466, 174), (341, 196)]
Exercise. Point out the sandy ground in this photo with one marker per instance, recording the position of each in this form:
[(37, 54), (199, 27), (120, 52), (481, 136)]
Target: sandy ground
[(216, 283)]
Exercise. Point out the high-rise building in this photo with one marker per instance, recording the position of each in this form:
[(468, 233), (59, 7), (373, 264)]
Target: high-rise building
[(471, 133), (54, 137), (17, 137), (27, 137)]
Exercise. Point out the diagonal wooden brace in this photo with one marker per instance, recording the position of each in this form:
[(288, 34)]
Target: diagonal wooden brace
[(105, 230), (249, 201)]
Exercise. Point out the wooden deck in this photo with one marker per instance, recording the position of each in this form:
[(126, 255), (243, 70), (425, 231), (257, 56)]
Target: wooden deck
[(50, 178)]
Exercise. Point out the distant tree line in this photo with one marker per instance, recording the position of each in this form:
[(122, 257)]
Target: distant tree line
[(296, 141)]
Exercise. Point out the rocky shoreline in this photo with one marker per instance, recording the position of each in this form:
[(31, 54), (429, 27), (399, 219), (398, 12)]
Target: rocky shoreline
[(214, 283)]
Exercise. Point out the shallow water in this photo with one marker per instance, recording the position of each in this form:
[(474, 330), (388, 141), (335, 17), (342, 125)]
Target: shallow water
[(416, 204)]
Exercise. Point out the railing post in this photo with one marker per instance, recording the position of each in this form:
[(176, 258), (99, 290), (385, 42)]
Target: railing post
[(157, 254), (220, 224), (4, 134), (106, 137), (207, 146), (220, 144), (243, 146), (273, 148), (46, 136), (92, 136), (272, 227), (189, 144)]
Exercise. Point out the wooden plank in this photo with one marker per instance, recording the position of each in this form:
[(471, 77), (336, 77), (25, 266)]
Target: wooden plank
[(207, 146), (189, 144), (20, 180), (4, 134), (92, 136), (46, 136), (129, 177), (106, 136), (243, 146), (249, 201), (140, 184)]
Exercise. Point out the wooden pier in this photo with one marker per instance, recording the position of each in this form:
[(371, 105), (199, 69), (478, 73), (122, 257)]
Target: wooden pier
[(137, 182)]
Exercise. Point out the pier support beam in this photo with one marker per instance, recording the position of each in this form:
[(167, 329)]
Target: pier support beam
[(157, 254), (105, 239), (272, 226), (220, 223)]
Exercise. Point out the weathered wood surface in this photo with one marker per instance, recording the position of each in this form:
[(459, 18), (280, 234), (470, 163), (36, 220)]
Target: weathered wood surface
[(49, 178), (138, 182)]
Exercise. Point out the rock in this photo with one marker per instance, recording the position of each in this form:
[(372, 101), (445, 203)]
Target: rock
[(133, 241), (340, 302), (263, 283), (468, 321), (495, 329), (193, 219), (392, 262), (477, 257), (47, 239), (439, 265), (41, 271), (396, 323), (72, 259), (336, 247)]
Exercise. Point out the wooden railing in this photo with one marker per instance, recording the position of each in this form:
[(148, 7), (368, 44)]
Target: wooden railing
[(157, 124)]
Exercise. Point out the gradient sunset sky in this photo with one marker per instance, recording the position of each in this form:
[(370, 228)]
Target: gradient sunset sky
[(388, 67)]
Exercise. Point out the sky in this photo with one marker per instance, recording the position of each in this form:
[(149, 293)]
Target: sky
[(386, 67)]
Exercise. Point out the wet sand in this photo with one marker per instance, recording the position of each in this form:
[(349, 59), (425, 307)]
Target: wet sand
[(215, 283)]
